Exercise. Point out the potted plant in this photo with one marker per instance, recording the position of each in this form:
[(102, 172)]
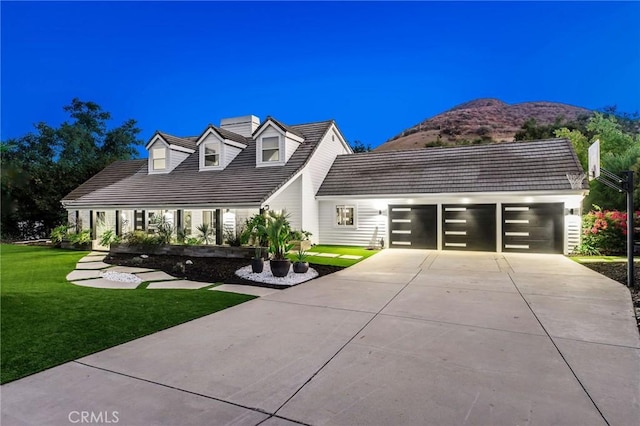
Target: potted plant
[(277, 230), (257, 263), (300, 265)]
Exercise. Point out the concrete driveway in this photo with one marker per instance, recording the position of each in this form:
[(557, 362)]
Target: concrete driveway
[(405, 337)]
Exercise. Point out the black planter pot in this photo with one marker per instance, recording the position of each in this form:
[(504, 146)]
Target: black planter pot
[(280, 268), (300, 267), (257, 265)]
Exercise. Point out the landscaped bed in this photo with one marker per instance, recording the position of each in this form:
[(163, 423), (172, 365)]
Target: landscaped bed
[(213, 270)]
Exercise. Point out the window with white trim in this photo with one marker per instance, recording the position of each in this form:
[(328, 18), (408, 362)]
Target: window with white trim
[(159, 156), (212, 154), (345, 216), (271, 149)]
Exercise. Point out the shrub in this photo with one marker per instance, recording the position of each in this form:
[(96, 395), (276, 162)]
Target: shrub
[(605, 232), (80, 238), (109, 237), (278, 232), (140, 238), (252, 233), (59, 233), (206, 232)]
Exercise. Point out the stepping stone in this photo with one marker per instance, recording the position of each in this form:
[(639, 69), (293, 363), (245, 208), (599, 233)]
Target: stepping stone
[(129, 269), (312, 253), (102, 283), (92, 265), (98, 253), (245, 289), (350, 256), (92, 259), (178, 284), (155, 276), (327, 255), (84, 274)]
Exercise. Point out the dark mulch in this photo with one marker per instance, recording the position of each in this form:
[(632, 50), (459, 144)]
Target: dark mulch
[(618, 271), (206, 269)]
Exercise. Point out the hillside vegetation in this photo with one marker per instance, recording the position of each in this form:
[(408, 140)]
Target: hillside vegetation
[(481, 121)]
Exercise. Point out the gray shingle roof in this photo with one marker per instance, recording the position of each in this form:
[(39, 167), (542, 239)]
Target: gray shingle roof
[(240, 183), (291, 129), (230, 135), (513, 166), (188, 143)]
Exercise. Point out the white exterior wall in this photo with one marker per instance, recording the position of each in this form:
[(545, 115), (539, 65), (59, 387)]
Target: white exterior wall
[(317, 168), (290, 199), (230, 152), (290, 147), (370, 225), (175, 158), (368, 221)]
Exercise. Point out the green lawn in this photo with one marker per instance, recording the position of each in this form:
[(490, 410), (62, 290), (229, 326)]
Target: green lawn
[(46, 321), (607, 259), (351, 250)]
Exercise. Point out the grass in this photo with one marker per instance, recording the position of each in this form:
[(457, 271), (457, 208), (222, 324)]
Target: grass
[(46, 321), (334, 261), (607, 259)]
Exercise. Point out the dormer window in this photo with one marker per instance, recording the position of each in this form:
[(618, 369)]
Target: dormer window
[(159, 158), (270, 149), (212, 154)]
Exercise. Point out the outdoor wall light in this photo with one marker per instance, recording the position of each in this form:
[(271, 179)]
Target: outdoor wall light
[(380, 212), (266, 208)]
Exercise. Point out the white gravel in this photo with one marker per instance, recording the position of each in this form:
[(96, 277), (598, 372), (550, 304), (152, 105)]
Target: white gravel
[(267, 277), (121, 277)]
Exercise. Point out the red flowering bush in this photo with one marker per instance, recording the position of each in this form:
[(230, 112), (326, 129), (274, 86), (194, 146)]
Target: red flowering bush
[(605, 232)]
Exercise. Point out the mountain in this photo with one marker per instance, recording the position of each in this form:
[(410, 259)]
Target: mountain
[(480, 121)]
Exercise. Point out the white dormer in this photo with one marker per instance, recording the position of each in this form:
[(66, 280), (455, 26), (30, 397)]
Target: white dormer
[(216, 152), (165, 156), (275, 143)]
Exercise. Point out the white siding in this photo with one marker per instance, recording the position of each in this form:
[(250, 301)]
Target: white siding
[(315, 172), (230, 153), (370, 225), (85, 219), (290, 199), (290, 147), (572, 226), (175, 158)]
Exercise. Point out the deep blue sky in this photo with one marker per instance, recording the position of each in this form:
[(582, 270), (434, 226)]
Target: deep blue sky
[(376, 68)]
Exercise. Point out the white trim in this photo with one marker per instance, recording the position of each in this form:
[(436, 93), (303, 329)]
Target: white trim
[(354, 216), (399, 231), (294, 137), (516, 209), (439, 227), (499, 226), (281, 152), (455, 221), (516, 221), (400, 209), (516, 234), (401, 243), (400, 220), (517, 246), (455, 232), (455, 209), (154, 139), (180, 148), (221, 156), (234, 143), (440, 195)]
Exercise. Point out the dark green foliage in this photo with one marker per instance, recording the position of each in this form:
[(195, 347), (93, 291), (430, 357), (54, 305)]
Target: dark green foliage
[(41, 167), (278, 232), (531, 130), (359, 146)]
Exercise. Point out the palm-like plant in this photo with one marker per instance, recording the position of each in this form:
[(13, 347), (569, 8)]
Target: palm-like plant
[(206, 233), (277, 230)]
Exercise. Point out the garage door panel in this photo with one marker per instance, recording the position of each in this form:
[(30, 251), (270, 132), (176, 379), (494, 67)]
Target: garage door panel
[(469, 227), (413, 226), (533, 228)]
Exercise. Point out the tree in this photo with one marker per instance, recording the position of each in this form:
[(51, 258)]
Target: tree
[(41, 167), (358, 146), (619, 151)]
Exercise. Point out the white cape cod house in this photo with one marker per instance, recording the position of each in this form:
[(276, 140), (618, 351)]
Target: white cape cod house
[(500, 197)]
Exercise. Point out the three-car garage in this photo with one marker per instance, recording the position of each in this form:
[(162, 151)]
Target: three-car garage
[(534, 228)]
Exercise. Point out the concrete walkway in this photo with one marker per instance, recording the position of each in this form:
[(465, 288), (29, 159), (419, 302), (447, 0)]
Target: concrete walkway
[(89, 273), (404, 337)]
